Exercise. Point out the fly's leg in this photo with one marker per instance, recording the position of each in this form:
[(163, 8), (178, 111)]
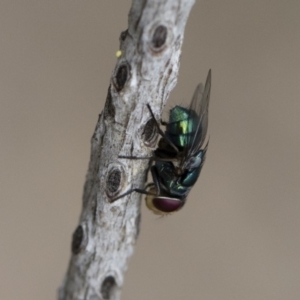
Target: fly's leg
[(135, 157), (134, 190), (160, 131), (141, 191), (156, 180), (149, 185), (152, 158)]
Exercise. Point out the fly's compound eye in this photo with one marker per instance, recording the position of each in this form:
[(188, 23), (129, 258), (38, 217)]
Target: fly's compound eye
[(163, 205)]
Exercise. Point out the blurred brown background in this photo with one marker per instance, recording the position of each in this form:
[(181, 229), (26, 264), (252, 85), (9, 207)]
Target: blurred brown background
[(238, 235)]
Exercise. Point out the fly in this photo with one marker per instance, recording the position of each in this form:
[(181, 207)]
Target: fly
[(179, 158)]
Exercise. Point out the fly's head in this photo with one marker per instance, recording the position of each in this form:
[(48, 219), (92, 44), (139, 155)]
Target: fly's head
[(163, 205)]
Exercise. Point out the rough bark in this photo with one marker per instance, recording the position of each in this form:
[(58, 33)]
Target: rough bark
[(146, 72)]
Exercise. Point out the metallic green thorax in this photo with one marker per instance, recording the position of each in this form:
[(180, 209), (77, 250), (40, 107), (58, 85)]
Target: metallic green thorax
[(181, 125)]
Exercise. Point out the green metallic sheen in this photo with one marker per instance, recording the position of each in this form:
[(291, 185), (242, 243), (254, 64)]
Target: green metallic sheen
[(181, 126)]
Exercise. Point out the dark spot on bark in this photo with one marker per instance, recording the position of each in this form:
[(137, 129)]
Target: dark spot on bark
[(159, 36), (107, 287), (123, 35), (109, 109), (77, 240), (150, 133), (121, 77), (113, 181)]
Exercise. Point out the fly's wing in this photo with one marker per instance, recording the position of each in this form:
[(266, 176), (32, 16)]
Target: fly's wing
[(198, 118)]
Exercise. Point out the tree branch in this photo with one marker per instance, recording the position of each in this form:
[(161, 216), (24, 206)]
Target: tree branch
[(146, 72)]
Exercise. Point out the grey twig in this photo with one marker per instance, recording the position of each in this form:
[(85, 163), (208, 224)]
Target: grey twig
[(145, 72)]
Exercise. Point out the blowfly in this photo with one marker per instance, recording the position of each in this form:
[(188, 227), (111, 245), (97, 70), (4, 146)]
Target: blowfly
[(179, 158)]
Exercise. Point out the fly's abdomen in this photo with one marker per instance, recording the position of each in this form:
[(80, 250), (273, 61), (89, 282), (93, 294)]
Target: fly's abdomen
[(189, 179), (191, 175)]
